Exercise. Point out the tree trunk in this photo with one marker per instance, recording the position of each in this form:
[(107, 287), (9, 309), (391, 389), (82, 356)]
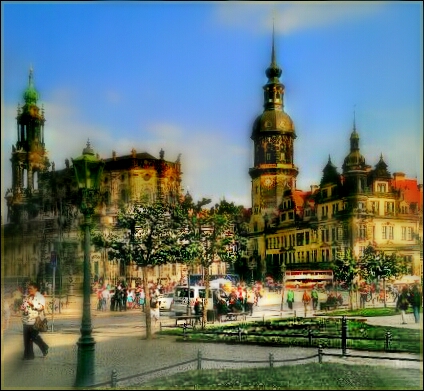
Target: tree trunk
[(205, 304), (147, 305), (384, 292)]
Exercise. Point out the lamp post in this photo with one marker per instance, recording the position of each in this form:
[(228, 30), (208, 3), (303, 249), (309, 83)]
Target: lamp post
[(88, 170), (283, 284)]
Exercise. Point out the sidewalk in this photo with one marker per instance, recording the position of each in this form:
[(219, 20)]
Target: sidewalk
[(122, 347), (129, 354)]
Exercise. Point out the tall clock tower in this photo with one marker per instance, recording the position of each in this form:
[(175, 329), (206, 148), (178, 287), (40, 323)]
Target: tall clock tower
[(273, 134)]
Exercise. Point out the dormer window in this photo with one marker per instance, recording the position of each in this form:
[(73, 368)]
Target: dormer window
[(381, 187)]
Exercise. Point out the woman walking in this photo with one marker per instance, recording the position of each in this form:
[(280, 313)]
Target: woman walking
[(31, 307), (403, 303)]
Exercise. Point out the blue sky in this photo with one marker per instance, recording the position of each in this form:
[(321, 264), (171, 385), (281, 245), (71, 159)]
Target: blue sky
[(187, 77)]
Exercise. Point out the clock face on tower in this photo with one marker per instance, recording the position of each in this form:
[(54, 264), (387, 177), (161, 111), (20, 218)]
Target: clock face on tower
[(268, 182)]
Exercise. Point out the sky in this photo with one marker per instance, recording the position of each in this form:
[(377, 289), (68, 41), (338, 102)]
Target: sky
[(187, 77)]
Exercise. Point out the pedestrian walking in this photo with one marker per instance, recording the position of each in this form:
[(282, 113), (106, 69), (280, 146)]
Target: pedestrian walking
[(314, 295), (290, 298), (415, 299), (31, 307), (105, 299), (154, 307), (250, 301), (306, 299), (403, 303), (142, 299)]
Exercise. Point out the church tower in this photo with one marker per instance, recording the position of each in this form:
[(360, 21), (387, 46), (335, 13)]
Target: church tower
[(29, 156), (274, 173)]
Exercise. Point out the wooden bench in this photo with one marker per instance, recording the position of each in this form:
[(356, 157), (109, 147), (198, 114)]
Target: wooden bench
[(192, 319), (325, 306), (234, 315), (238, 334)]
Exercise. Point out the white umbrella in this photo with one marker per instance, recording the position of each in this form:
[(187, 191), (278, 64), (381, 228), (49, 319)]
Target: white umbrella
[(409, 279), (216, 283)]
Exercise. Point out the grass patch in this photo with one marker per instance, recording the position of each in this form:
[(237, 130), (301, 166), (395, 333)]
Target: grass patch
[(307, 332), (366, 312), (313, 376)]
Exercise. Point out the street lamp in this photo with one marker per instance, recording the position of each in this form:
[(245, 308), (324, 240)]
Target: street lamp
[(88, 170), (283, 284)]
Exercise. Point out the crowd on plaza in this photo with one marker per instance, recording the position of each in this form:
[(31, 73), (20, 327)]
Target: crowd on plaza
[(121, 296)]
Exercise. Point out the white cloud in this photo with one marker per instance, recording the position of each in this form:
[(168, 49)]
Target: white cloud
[(291, 17)]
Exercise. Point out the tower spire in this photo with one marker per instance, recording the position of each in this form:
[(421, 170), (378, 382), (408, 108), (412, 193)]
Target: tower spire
[(273, 72), (31, 95), (354, 118), (273, 62), (31, 77)]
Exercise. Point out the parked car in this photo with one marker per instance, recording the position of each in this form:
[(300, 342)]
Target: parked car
[(165, 301), (179, 304)]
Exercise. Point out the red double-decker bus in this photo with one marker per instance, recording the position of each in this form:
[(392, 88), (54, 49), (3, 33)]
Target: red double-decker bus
[(302, 279)]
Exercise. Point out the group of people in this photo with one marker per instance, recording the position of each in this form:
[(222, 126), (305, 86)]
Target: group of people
[(123, 298), (240, 299), (306, 299)]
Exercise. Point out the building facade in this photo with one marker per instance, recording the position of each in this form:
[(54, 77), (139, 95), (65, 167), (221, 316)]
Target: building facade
[(293, 229), (43, 219)]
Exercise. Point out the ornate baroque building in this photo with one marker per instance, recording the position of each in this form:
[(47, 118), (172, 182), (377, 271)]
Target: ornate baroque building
[(42, 216), (303, 230)]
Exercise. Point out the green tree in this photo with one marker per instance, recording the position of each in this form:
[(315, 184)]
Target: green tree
[(374, 264), (149, 235), (346, 270), (213, 234)]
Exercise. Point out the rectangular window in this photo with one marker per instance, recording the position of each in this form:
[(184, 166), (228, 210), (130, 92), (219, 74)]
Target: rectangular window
[(384, 232), (381, 187), (374, 206), (403, 233), (409, 233), (306, 238), (362, 232), (299, 238), (390, 207), (391, 233)]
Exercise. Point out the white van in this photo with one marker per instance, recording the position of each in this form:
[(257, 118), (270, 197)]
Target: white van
[(179, 305)]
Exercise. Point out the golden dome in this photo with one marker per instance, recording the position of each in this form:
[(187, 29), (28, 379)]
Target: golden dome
[(273, 121)]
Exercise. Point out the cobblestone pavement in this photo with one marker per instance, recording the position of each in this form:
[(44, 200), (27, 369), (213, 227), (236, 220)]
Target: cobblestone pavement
[(124, 349)]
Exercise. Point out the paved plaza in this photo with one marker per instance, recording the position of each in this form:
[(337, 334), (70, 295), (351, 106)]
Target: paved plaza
[(121, 346)]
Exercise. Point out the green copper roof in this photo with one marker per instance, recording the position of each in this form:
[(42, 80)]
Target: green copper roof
[(31, 95)]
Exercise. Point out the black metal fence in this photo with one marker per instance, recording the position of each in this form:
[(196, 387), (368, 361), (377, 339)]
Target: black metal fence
[(271, 361), (338, 340)]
